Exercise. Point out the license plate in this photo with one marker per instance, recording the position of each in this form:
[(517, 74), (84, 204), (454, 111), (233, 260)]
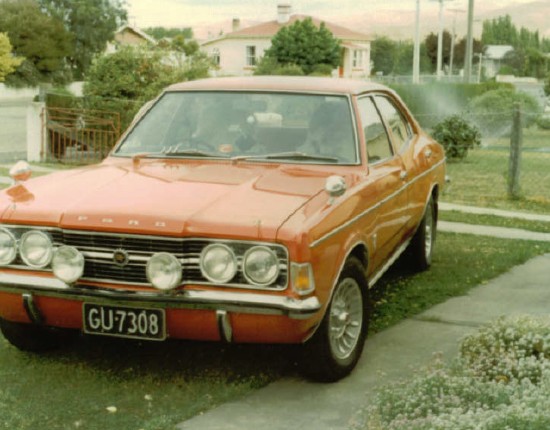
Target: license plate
[(136, 323)]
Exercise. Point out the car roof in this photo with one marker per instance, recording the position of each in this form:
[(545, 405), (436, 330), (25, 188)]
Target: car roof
[(280, 83)]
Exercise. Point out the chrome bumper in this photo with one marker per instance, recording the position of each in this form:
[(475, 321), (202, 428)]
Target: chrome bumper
[(228, 301)]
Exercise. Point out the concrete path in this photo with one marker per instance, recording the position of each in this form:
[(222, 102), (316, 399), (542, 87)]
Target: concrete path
[(490, 211), (388, 356), (485, 230)]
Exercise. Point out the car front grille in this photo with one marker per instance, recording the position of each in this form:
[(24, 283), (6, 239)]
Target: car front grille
[(99, 252)]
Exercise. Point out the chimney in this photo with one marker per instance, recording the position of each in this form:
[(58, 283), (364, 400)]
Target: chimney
[(236, 24), (283, 13)]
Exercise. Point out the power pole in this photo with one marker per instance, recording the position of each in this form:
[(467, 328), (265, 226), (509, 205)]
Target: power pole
[(440, 42), (469, 43), (453, 37), (416, 56)]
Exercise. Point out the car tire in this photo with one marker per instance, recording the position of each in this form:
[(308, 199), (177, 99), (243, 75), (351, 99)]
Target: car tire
[(36, 338), (421, 248), (335, 348)]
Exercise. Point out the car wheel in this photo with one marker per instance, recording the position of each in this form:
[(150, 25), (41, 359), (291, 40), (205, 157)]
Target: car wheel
[(422, 244), (336, 346), (35, 338)]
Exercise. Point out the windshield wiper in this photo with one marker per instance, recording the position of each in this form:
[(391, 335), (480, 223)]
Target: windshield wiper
[(292, 155), (193, 152), (179, 153)]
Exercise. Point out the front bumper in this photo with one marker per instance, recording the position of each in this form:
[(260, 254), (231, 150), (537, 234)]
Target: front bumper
[(220, 301)]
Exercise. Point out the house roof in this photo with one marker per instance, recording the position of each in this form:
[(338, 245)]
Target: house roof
[(497, 52), (136, 31), (269, 29)]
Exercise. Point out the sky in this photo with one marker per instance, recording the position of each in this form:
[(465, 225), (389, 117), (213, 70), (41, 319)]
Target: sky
[(211, 15)]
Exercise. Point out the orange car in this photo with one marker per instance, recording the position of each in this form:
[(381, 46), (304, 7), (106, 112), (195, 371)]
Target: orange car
[(257, 209)]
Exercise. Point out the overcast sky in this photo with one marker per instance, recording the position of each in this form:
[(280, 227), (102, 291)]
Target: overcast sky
[(199, 13)]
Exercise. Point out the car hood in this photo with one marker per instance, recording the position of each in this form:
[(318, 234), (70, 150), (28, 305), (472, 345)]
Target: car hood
[(166, 198)]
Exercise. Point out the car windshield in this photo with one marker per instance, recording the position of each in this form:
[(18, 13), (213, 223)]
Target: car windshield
[(315, 129)]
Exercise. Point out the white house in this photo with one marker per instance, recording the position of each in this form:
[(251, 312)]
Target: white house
[(237, 53), (492, 58)]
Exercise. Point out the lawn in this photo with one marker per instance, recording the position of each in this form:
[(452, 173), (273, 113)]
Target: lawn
[(101, 383), (481, 178)]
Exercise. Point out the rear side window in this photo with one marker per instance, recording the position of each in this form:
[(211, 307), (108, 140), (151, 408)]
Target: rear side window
[(376, 137), (400, 129)]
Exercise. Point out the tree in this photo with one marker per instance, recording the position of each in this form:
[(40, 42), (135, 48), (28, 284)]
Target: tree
[(499, 31), (431, 48), (460, 51), (162, 32), (8, 62), (124, 80), (383, 55), (304, 45), (41, 39), (92, 24)]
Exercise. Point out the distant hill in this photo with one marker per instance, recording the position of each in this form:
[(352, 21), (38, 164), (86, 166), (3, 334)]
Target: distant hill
[(533, 15)]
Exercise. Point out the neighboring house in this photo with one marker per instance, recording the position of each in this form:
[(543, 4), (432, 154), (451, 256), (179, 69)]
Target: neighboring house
[(492, 58), (238, 52), (129, 35)]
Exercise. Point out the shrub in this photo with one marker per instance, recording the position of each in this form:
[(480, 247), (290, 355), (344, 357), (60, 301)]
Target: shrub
[(509, 350), (457, 136), (492, 111), (467, 395), (126, 79), (322, 70), (544, 123)]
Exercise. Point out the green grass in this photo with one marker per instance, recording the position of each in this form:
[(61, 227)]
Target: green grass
[(460, 263), (497, 221), (157, 385), (152, 386), (480, 180), (533, 138)]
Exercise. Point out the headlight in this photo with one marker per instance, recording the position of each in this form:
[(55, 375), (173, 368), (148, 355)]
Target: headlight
[(8, 247), (68, 264), (164, 271), (36, 248), (261, 265), (218, 263)]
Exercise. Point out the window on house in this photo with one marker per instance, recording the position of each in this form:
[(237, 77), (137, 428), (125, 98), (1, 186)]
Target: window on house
[(216, 56), (357, 58), (250, 55)]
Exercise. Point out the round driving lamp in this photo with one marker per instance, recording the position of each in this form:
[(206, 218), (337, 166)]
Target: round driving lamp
[(164, 271), (218, 263), (261, 265), (36, 249), (68, 264), (8, 247)]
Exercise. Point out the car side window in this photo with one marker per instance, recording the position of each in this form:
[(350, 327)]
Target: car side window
[(401, 130), (376, 138)]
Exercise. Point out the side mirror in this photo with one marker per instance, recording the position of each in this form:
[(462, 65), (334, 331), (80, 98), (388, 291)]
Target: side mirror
[(335, 186)]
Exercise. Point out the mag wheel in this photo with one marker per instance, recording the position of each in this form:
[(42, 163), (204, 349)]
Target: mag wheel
[(422, 245), (335, 348)]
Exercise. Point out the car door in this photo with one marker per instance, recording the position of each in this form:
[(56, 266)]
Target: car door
[(401, 135), (413, 153), (385, 192)]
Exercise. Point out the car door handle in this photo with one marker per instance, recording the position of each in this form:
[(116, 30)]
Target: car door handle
[(404, 175)]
